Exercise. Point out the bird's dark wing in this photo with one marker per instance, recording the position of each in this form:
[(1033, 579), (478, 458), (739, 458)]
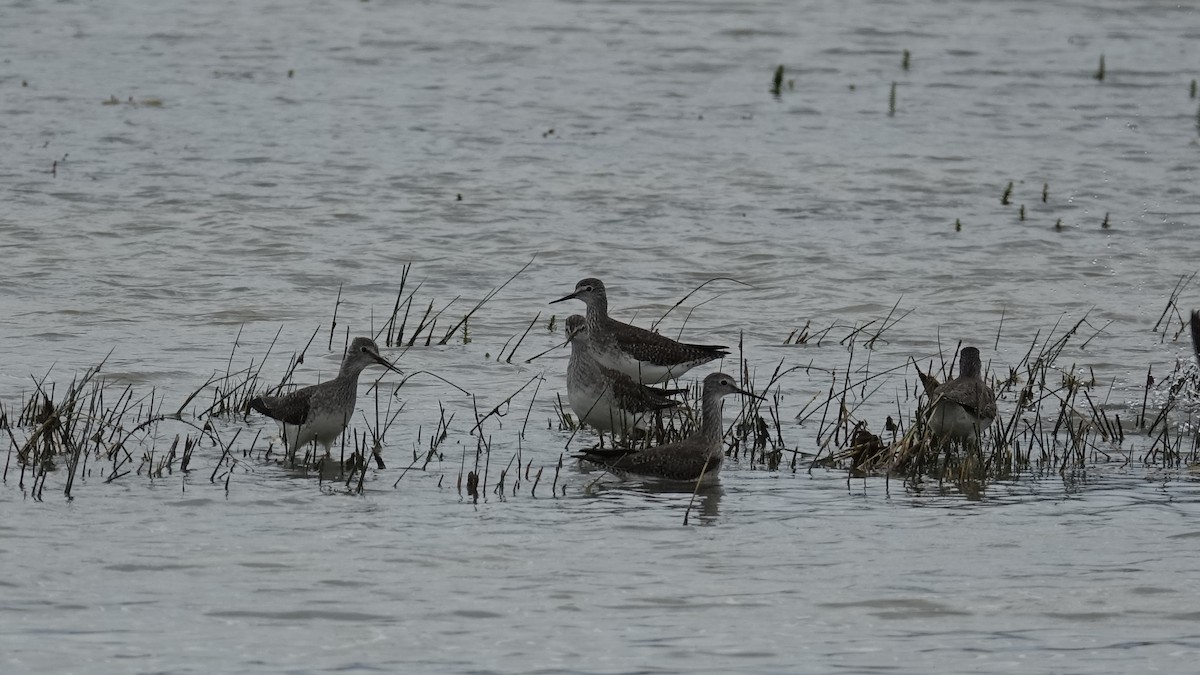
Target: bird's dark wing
[(661, 350), (671, 462), (634, 396), (289, 409)]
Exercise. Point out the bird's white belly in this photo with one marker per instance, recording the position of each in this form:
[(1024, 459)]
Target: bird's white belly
[(640, 371), (594, 406), (324, 428)]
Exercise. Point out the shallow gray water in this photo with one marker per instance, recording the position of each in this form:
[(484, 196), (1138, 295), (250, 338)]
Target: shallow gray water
[(637, 142)]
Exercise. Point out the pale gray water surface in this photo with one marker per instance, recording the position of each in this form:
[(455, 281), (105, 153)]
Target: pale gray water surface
[(636, 141)]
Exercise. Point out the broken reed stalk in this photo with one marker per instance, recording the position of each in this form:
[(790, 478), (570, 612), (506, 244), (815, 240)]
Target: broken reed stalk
[(428, 322), (496, 411), (390, 324), (1173, 304), (231, 397), (654, 326), (520, 340), (870, 344), (333, 326), (491, 294), (688, 511)]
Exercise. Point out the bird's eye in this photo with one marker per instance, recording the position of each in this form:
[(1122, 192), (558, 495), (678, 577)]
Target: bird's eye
[(365, 349)]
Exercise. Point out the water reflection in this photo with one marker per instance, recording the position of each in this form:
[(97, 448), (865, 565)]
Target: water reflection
[(703, 509)]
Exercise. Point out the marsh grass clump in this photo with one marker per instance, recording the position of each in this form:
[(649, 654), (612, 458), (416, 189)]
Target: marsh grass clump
[(1100, 70), (1052, 418), (394, 329), (232, 391), (799, 337), (1005, 199), (777, 82), (1173, 322), (757, 432), (59, 430)]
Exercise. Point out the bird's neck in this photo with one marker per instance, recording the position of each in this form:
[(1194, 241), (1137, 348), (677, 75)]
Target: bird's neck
[(712, 426), (597, 311), (350, 370), (576, 352)]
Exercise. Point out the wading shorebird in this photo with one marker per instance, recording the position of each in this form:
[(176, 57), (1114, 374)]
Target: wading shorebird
[(964, 407), (607, 399), (321, 412), (690, 460), (646, 357)]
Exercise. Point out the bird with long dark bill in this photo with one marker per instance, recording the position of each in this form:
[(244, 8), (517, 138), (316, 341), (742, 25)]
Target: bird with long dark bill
[(321, 412), (645, 356)]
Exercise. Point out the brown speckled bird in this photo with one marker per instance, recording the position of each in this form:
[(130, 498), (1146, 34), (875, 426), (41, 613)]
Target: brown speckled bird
[(964, 407), (695, 457)]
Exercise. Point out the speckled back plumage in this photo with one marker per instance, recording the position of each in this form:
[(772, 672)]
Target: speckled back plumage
[(320, 412), (605, 398), (678, 462), (695, 457), (643, 355)]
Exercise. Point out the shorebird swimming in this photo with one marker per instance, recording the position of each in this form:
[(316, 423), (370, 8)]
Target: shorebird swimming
[(646, 357), (321, 412), (963, 407), (692, 459), (604, 398)]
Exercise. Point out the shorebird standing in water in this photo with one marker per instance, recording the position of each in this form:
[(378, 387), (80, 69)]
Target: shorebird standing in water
[(646, 357), (692, 459), (320, 413), (964, 407), (607, 399)]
